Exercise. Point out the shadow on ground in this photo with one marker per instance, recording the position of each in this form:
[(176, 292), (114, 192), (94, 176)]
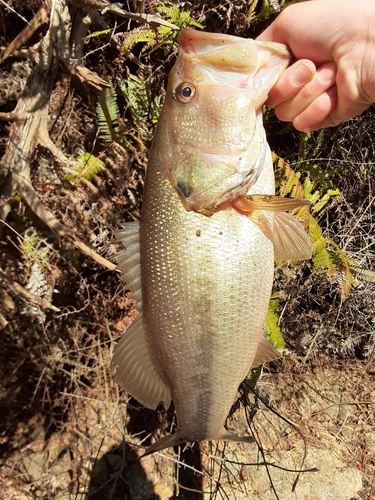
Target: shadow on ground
[(120, 475)]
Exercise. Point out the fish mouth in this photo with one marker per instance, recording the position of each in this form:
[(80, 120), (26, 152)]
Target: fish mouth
[(206, 182), (234, 54)]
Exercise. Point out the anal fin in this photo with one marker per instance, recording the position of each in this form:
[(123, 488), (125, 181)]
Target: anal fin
[(265, 352), (135, 370)]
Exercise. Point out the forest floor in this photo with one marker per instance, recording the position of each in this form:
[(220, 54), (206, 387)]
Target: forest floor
[(66, 431)]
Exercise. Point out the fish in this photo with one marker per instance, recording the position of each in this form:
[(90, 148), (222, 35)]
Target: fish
[(200, 263)]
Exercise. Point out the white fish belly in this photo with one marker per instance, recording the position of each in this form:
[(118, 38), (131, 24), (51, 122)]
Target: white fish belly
[(206, 285)]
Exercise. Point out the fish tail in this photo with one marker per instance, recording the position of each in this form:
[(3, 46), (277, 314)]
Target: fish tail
[(165, 442), (226, 435), (174, 440)]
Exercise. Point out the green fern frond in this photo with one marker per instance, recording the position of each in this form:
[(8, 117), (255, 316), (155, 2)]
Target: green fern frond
[(143, 107), (289, 184), (163, 36), (320, 203), (144, 35), (334, 262), (364, 274), (87, 166), (267, 9), (98, 33), (317, 200), (273, 331), (316, 236), (108, 115), (180, 18)]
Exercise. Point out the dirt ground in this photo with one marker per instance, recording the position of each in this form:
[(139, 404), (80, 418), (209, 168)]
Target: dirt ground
[(66, 431)]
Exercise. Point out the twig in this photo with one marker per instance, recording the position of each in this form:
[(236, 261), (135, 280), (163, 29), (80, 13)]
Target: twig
[(14, 11), (27, 191), (40, 18), (44, 304), (143, 18)]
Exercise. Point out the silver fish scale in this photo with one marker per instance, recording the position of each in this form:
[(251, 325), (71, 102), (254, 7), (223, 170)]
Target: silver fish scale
[(204, 282)]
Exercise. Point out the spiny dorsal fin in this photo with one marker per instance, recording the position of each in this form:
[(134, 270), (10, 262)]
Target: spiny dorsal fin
[(129, 260)]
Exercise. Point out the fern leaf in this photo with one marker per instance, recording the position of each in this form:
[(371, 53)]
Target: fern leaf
[(325, 199), (316, 236), (273, 331), (139, 35), (108, 114), (98, 33), (364, 274), (334, 262)]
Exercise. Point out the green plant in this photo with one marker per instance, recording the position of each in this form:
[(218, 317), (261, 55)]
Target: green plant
[(328, 258), (273, 331), (87, 167), (108, 115), (143, 106), (163, 36), (264, 9)]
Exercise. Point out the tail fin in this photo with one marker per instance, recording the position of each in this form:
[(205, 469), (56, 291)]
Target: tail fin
[(174, 440), (226, 435), (165, 442)]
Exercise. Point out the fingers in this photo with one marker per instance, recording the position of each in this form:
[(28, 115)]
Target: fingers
[(291, 82), (317, 114), (305, 96)]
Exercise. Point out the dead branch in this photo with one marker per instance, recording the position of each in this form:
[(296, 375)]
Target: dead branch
[(39, 20), (30, 196), (29, 128), (141, 18), (44, 304)]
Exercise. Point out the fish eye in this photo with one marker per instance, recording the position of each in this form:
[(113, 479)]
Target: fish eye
[(184, 93)]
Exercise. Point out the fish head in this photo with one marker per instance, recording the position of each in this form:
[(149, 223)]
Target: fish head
[(212, 117)]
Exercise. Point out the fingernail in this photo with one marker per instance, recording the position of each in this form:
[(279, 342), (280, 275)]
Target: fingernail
[(327, 73), (301, 74)]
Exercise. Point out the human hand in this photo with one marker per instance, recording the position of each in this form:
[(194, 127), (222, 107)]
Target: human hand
[(333, 76)]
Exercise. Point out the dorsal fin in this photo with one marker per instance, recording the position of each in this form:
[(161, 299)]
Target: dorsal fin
[(135, 370), (129, 260)]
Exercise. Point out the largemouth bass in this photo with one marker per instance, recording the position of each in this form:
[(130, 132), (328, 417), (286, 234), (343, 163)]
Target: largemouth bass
[(201, 263)]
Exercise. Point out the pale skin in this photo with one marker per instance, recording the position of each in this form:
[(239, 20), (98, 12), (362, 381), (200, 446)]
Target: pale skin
[(332, 75)]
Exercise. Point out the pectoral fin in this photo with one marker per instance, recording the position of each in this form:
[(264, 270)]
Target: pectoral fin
[(247, 204), (290, 239), (135, 370)]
